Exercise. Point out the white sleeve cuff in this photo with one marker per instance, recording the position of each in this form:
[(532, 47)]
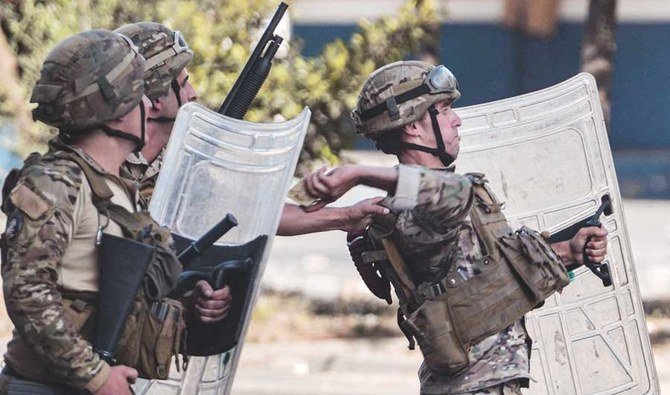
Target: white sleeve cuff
[(406, 196)]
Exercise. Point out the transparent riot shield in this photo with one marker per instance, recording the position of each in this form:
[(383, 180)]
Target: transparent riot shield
[(547, 156), (216, 165)]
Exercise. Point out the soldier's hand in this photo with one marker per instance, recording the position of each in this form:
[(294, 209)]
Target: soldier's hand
[(330, 186), (118, 382), (211, 305), (596, 248), (360, 215)]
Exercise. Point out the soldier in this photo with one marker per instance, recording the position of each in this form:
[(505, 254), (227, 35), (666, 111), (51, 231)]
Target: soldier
[(58, 205), (444, 237), (168, 87)]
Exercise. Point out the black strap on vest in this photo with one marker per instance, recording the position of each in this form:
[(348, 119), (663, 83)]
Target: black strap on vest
[(102, 197)]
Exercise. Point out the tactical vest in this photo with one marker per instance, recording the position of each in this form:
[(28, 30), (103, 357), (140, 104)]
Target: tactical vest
[(155, 329), (518, 271)]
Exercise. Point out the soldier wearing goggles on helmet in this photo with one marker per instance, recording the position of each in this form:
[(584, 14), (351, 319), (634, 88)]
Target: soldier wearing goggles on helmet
[(441, 237), (168, 87)]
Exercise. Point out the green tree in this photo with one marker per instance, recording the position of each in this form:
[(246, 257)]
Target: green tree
[(221, 35)]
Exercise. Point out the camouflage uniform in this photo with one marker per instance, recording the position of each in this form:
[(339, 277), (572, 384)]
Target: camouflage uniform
[(86, 80), (46, 345), (430, 220), (137, 168), (438, 226)]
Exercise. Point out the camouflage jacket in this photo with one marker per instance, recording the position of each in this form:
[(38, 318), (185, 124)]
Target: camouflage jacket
[(430, 212), (41, 229), (137, 168)]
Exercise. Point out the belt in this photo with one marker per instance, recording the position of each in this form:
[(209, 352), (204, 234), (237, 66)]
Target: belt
[(7, 371)]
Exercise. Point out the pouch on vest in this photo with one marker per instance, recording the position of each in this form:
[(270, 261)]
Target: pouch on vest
[(149, 335), (154, 333), (534, 262), (431, 324), (429, 321), (518, 270)]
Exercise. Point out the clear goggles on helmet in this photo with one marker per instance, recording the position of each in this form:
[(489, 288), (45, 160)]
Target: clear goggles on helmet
[(439, 80), (179, 46)]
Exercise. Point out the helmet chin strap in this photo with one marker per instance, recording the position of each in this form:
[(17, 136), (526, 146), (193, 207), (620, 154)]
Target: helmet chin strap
[(138, 141), (440, 151), (162, 119)]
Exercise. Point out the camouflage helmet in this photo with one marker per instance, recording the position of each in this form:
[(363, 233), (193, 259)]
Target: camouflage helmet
[(88, 79), (166, 53), (400, 93)]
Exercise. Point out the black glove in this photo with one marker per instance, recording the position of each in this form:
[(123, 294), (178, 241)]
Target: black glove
[(371, 274)]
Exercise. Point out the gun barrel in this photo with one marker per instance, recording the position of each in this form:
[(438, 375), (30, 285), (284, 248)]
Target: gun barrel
[(209, 238), (249, 82)]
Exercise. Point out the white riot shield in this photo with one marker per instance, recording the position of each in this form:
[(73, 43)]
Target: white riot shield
[(547, 156), (216, 165)]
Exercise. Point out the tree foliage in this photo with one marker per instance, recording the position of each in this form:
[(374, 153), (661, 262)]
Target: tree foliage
[(222, 37)]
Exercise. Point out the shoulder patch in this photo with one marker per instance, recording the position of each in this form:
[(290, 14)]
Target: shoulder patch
[(14, 225), (32, 204)]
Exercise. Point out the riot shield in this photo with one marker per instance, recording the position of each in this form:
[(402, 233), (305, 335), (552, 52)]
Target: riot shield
[(547, 156), (216, 165)]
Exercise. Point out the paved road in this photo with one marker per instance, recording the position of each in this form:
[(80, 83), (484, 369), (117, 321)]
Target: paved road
[(339, 367), (332, 367)]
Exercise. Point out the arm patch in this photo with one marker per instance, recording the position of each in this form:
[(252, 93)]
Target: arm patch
[(32, 204)]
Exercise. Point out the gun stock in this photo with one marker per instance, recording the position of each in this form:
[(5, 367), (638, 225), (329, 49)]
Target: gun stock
[(123, 263)]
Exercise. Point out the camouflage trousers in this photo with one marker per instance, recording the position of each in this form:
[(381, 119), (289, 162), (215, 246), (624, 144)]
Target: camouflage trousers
[(509, 388)]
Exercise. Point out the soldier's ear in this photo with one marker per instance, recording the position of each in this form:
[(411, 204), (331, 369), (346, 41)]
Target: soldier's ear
[(156, 104), (411, 129)]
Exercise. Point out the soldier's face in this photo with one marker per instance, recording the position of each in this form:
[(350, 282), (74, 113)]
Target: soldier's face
[(449, 122), (186, 91), (133, 120), (169, 105)]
